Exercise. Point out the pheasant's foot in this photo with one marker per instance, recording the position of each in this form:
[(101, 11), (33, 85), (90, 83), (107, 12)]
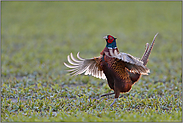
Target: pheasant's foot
[(114, 102)]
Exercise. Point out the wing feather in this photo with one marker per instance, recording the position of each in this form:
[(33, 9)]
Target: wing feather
[(133, 64), (86, 66), (70, 61), (79, 57), (75, 60)]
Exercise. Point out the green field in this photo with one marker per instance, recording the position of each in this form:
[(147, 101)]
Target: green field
[(38, 36)]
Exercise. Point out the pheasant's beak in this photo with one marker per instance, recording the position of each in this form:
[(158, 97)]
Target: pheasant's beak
[(105, 37)]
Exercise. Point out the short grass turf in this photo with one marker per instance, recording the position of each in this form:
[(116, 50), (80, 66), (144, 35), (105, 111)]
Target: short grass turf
[(38, 36)]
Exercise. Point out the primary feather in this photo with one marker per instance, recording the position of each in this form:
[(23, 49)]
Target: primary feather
[(86, 66)]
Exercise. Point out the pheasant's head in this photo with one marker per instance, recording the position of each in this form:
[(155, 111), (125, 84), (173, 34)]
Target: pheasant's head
[(111, 42)]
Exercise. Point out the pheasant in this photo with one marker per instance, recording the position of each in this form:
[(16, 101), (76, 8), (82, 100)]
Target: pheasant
[(120, 69)]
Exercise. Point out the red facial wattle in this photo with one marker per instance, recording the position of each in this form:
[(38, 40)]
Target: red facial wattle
[(110, 39)]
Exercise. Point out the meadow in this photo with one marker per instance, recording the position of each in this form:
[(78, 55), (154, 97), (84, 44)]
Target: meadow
[(36, 38)]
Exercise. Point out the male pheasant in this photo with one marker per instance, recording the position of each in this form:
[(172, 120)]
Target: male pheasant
[(120, 69)]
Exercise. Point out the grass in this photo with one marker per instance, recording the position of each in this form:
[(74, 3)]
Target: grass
[(38, 36)]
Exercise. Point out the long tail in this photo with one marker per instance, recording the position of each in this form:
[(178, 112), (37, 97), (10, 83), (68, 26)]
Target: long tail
[(148, 51), (136, 77)]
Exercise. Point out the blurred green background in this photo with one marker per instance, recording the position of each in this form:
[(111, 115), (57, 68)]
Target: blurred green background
[(38, 36), (37, 33)]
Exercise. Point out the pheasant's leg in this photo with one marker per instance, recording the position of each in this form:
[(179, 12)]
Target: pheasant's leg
[(107, 94), (117, 92)]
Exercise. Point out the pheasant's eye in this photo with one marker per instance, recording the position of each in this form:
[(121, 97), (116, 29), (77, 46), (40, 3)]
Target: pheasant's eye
[(111, 38)]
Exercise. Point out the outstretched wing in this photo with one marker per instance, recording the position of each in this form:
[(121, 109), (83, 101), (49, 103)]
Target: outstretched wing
[(133, 64), (86, 66)]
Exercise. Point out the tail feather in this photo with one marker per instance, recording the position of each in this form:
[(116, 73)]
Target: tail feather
[(143, 57), (148, 51), (135, 76)]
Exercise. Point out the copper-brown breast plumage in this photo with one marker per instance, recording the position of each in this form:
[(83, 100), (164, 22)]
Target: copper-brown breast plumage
[(118, 67)]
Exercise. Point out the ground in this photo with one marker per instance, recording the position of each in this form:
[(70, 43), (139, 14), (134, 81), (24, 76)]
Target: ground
[(38, 36)]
